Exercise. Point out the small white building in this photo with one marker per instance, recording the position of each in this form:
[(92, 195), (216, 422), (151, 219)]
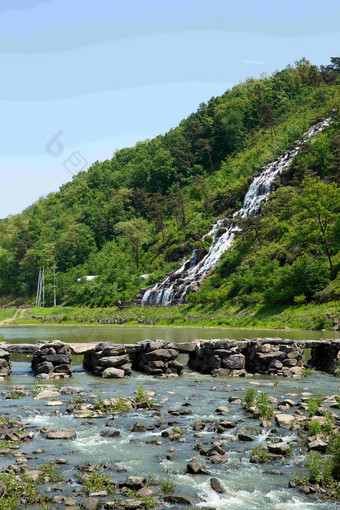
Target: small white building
[(88, 278)]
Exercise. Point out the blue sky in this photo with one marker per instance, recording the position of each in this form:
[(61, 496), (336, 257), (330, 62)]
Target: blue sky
[(107, 74)]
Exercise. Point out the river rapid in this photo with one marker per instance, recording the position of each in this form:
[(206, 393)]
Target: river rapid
[(247, 486)]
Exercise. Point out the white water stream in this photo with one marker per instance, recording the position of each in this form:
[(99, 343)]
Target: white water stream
[(190, 275)]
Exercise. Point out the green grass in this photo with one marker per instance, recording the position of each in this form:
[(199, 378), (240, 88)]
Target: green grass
[(311, 316), (7, 314)]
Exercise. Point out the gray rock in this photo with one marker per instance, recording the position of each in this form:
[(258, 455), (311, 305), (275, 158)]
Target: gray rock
[(279, 448), (110, 433), (61, 434), (318, 445), (217, 486), (161, 354), (194, 466), (285, 421), (113, 373), (178, 500), (134, 482), (90, 504), (113, 361)]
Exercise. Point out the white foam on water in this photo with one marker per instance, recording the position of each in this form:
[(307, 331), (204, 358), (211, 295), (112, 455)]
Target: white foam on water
[(55, 420), (245, 500)]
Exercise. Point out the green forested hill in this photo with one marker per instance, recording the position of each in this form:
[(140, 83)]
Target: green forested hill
[(149, 206)]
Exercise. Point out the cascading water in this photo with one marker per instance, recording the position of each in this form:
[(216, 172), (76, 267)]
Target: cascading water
[(190, 275)]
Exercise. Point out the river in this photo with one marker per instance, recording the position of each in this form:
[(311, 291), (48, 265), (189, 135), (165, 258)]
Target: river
[(133, 334), (260, 486)]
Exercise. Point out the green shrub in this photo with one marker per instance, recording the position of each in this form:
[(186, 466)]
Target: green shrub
[(336, 369), (263, 408), (318, 467), (314, 402), (99, 403), (261, 454), (49, 473), (329, 423), (142, 396), (307, 372), (335, 459), (100, 482), (315, 427), (249, 397), (20, 492), (167, 486), (300, 299)]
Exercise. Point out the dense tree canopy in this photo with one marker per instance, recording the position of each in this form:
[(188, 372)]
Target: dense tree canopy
[(149, 206)]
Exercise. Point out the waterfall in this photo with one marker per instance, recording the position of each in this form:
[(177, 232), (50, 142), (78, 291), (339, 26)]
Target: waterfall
[(190, 275)]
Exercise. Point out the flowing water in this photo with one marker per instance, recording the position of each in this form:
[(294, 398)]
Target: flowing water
[(190, 275), (248, 486)]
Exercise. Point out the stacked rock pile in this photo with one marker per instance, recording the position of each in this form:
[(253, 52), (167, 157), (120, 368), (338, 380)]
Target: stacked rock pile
[(108, 360), (274, 356), (326, 356), (157, 358), (52, 361), (218, 357), (5, 363)]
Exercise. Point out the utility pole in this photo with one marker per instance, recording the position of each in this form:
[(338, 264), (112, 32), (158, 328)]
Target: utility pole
[(43, 286), (40, 288), (37, 299), (54, 288)]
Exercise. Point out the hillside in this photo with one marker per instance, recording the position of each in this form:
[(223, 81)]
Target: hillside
[(150, 205)]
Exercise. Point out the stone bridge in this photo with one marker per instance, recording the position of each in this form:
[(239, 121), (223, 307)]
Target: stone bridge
[(226, 357)]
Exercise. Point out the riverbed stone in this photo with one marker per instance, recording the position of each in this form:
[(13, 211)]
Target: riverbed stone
[(91, 504), (113, 373), (278, 448), (222, 410), (318, 444), (61, 434), (178, 499), (217, 486), (134, 482), (194, 466), (110, 433), (46, 393), (285, 421)]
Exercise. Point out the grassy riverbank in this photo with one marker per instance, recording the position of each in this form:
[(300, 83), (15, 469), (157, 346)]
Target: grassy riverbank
[(7, 313), (312, 316)]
